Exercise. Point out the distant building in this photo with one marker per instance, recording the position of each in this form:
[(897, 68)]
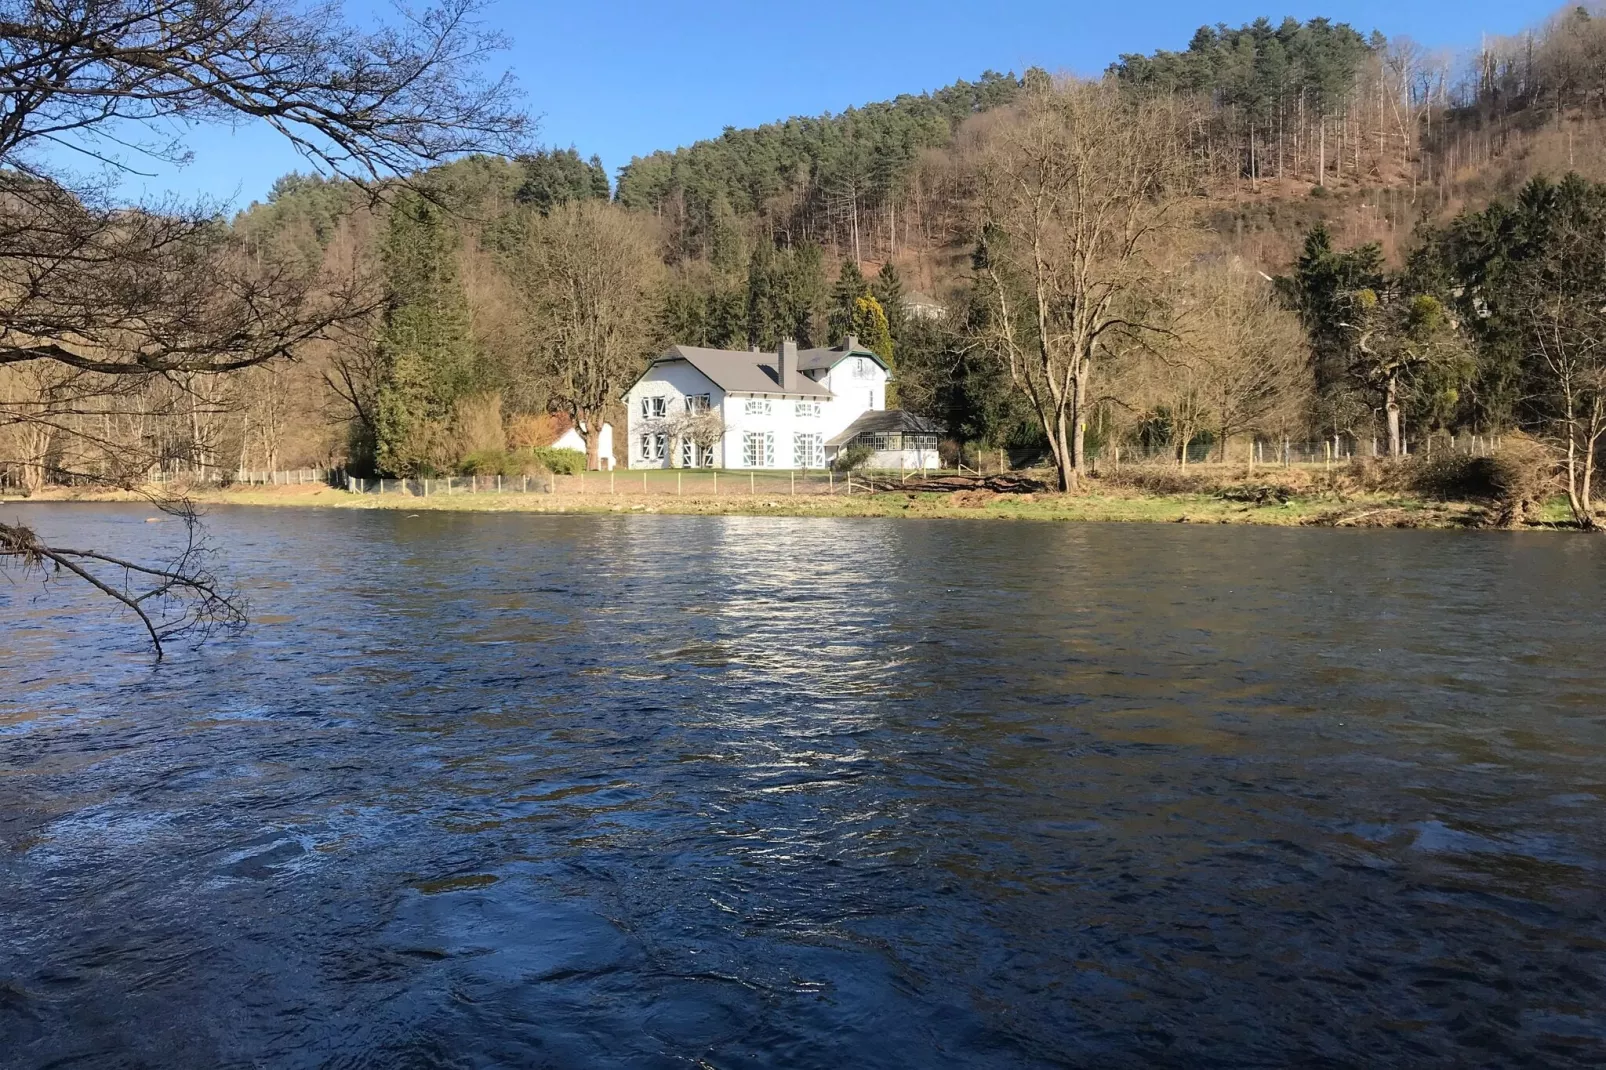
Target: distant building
[(923, 306), (562, 435), (708, 408)]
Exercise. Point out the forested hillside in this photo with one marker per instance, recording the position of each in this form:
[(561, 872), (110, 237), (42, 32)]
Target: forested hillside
[(1290, 149)]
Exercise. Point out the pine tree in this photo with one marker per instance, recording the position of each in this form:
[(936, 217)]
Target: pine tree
[(888, 289), (599, 179), (426, 354), (850, 286)]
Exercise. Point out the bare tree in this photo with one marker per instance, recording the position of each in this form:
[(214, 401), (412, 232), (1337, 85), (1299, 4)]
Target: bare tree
[(702, 429), (1250, 355), (590, 274), (1567, 333), (160, 293), (1077, 201)]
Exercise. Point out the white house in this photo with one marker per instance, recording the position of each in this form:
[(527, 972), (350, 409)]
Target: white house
[(569, 439), (732, 409)]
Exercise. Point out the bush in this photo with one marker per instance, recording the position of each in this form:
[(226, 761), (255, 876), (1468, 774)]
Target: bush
[(1516, 478), (852, 458), (529, 462), (559, 462)]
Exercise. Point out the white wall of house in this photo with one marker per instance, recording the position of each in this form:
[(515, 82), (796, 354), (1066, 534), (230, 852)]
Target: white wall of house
[(673, 382), (791, 431), (857, 385), (910, 460), (571, 440)]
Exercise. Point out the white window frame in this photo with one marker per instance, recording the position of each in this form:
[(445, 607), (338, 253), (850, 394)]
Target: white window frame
[(806, 409), (758, 407), (758, 449), (653, 445), (808, 449), (655, 407), (699, 402)]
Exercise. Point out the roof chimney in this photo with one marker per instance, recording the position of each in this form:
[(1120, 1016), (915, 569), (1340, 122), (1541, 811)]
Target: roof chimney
[(786, 365), (851, 344)]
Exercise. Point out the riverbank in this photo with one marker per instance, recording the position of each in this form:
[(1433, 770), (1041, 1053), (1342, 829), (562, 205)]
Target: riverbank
[(1326, 508)]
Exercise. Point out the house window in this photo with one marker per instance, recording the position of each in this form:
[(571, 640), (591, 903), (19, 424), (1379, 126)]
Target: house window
[(694, 456), (697, 403), (758, 449), (881, 442), (808, 408), (808, 450), (654, 408), (653, 446), (861, 368), (755, 407)]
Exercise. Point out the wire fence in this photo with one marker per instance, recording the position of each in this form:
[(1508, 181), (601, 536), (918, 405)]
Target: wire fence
[(683, 482), (286, 478), (707, 482), (1261, 451)]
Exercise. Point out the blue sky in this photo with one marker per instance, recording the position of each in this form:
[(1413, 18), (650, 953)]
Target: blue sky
[(625, 77)]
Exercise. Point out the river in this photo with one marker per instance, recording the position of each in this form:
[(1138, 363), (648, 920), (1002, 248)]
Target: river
[(652, 791)]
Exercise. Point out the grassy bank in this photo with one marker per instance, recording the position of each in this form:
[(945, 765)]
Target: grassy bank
[(1319, 507)]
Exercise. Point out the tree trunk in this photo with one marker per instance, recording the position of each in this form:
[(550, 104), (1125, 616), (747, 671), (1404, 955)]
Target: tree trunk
[(1078, 414), (1064, 459), (582, 424), (1392, 407)]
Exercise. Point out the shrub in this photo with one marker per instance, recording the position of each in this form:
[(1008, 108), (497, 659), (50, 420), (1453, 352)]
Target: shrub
[(559, 462), (852, 458), (484, 463), (1516, 478), (520, 462)]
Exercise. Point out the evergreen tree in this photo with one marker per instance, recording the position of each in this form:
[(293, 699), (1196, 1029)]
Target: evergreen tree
[(558, 176), (426, 356), (849, 287), (599, 179), (887, 288), (1321, 291), (870, 326), (784, 291)]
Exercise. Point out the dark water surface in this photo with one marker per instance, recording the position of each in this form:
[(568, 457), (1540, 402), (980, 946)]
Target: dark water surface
[(642, 791)]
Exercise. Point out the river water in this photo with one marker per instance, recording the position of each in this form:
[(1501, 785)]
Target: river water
[(648, 791)]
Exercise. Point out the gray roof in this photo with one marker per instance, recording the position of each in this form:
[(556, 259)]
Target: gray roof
[(738, 372), (814, 360), (881, 421)]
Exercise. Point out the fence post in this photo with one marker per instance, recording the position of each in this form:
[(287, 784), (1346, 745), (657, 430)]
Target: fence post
[(750, 489), (716, 484), (794, 484), (526, 487), (678, 488)]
